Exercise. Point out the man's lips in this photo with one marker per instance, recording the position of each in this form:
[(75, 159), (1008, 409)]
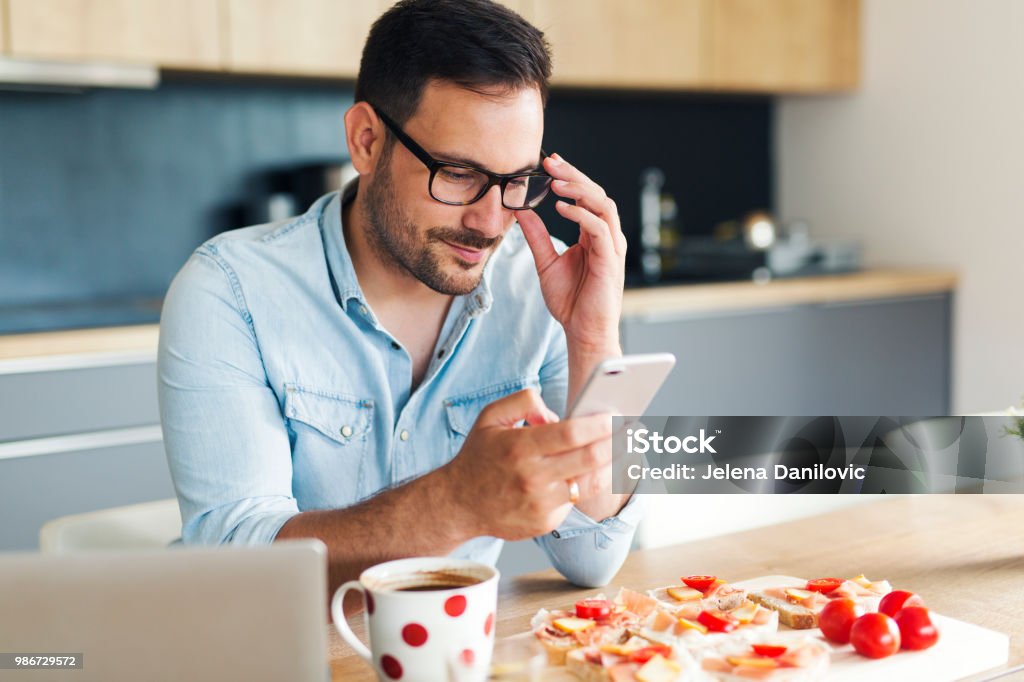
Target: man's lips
[(466, 253)]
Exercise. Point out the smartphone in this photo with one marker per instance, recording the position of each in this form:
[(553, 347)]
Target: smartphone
[(623, 386)]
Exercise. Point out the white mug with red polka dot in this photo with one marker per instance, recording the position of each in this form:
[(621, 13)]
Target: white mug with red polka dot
[(416, 634)]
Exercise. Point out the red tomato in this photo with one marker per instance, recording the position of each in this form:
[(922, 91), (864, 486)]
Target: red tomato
[(699, 582), (896, 600), (824, 585), (836, 619), (916, 628), (649, 652), (715, 622), (772, 650), (595, 609), (875, 635)]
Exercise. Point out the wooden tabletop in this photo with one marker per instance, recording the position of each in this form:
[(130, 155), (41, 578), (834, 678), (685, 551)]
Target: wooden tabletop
[(963, 553)]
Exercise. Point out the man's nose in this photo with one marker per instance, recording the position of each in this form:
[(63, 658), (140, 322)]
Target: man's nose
[(487, 216)]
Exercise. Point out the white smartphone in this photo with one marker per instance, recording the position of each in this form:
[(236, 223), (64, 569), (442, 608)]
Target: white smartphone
[(623, 386)]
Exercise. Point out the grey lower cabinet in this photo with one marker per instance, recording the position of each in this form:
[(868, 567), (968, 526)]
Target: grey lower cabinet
[(77, 440), (870, 357)]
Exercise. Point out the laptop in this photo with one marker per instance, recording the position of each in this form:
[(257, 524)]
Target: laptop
[(192, 613)]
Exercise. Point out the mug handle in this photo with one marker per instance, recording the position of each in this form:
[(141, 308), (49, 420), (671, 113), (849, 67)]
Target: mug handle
[(341, 623)]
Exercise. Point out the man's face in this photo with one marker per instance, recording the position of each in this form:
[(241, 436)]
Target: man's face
[(446, 247)]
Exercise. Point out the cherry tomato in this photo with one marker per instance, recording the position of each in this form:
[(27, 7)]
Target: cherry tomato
[(836, 619), (715, 622), (772, 650), (896, 600), (595, 609), (875, 635), (699, 582), (916, 628), (824, 585), (649, 652)]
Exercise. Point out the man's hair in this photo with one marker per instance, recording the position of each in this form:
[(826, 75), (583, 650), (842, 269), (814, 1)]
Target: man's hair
[(476, 44)]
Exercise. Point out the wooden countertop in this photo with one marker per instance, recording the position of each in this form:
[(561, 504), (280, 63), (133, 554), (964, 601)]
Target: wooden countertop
[(963, 553), (23, 352)]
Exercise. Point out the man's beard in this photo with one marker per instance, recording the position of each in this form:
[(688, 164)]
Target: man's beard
[(397, 243)]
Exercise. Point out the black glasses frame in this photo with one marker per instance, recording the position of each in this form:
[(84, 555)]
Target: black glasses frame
[(433, 165)]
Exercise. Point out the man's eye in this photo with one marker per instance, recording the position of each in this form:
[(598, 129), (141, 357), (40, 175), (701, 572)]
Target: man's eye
[(517, 182), (453, 176)]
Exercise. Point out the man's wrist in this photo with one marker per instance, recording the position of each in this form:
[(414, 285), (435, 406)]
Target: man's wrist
[(450, 496)]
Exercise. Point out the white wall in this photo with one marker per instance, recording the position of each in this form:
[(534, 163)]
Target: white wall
[(925, 164)]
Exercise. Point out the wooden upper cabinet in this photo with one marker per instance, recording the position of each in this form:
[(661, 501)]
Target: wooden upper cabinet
[(299, 37), (611, 43), (784, 45), (178, 34)]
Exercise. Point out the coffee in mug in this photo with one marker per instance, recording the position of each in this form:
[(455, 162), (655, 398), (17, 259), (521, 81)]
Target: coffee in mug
[(421, 614)]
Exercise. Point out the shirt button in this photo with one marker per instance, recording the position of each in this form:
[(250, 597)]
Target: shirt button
[(394, 344), (346, 431), (555, 534), (404, 435), (363, 309)]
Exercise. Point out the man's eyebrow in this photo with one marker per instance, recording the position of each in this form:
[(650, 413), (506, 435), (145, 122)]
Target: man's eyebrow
[(466, 161)]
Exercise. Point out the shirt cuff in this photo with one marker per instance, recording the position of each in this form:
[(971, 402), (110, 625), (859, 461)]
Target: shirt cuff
[(578, 523)]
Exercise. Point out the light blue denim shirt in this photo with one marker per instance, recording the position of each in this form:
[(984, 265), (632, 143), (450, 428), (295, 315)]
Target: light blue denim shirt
[(280, 391)]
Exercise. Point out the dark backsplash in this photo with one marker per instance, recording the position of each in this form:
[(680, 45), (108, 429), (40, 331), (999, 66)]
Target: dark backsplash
[(103, 195)]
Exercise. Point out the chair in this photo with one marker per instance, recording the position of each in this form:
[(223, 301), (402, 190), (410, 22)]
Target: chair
[(135, 526)]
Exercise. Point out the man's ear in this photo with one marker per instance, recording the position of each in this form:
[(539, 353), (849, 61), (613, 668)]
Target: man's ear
[(365, 136)]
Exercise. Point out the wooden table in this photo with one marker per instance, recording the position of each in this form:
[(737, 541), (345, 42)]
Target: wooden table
[(964, 553)]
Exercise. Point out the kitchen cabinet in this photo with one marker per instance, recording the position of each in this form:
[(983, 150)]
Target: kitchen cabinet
[(77, 440), (868, 357), (3, 26), (639, 44), (299, 37), (183, 34), (783, 45)]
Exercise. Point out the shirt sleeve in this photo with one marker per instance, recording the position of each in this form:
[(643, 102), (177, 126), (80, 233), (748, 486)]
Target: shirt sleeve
[(225, 438), (588, 553)]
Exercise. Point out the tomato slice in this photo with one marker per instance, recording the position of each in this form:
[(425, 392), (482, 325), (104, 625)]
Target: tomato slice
[(715, 622), (699, 582), (595, 609), (649, 652), (824, 585), (772, 650)]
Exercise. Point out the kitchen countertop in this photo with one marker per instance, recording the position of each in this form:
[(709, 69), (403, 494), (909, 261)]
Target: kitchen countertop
[(964, 554), (137, 343)]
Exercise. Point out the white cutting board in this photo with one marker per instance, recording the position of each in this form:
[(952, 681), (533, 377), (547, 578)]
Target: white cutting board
[(963, 649)]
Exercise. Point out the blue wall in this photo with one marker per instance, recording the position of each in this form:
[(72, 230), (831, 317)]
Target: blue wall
[(103, 195)]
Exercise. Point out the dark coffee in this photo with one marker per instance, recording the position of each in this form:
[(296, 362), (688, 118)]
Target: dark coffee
[(428, 581)]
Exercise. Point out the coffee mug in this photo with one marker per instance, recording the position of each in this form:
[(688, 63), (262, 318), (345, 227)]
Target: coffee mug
[(421, 615)]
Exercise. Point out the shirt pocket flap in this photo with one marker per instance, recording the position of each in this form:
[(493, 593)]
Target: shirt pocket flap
[(341, 418), (464, 409)]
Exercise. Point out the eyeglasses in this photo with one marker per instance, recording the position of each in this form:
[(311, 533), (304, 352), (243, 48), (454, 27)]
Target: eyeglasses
[(459, 184)]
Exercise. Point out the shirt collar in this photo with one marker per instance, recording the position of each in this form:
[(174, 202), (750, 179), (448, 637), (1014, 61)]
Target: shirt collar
[(343, 274)]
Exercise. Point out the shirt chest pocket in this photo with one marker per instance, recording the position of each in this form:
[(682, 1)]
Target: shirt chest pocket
[(318, 417), (464, 409)]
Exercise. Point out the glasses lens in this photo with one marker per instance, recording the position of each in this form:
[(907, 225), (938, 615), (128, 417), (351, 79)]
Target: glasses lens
[(455, 185), (525, 191)]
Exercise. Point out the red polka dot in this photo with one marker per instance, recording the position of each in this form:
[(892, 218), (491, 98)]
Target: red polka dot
[(369, 603), (489, 624), (414, 634), (392, 668), (455, 606), (467, 656)]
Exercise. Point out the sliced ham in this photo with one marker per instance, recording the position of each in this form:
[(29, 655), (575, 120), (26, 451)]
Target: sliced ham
[(635, 602), (623, 672)]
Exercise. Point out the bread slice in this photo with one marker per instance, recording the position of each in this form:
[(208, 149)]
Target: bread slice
[(793, 615)]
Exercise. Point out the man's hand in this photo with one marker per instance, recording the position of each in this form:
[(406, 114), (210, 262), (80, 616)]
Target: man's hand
[(582, 287), (511, 481)]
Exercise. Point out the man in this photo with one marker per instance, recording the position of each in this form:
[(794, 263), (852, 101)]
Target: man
[(361, 374)]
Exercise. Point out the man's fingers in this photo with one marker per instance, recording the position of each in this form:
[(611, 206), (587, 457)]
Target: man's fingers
[(600, 237), (538, 239), (579, 463), (571, 434)]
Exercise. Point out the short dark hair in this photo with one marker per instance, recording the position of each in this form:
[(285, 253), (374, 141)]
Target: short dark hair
[(476, 44)]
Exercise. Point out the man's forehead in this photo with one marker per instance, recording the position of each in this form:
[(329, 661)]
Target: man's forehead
[(495, 126)]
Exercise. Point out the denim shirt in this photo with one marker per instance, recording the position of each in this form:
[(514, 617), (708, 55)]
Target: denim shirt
[(280, 391)]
